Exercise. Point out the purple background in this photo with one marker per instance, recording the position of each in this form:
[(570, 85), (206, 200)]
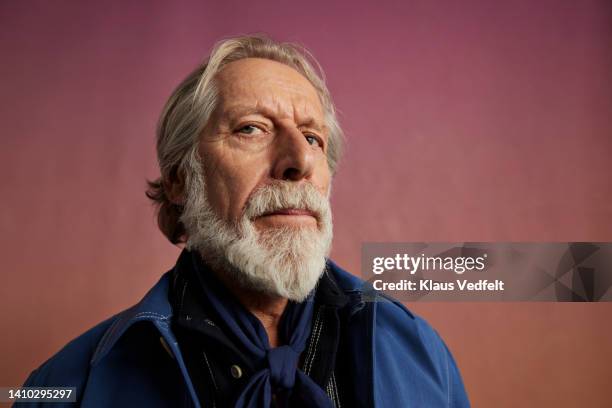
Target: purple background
[(466, 121)]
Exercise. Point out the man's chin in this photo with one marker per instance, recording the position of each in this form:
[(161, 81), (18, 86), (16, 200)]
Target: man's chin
[(282, 264), (293, 293)]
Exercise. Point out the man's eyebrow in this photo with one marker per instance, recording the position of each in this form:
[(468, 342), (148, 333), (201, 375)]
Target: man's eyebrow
[(314, 124), (243, 110)]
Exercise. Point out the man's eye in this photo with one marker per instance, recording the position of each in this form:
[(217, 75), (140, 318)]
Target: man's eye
[(312, 140), (250, 130)]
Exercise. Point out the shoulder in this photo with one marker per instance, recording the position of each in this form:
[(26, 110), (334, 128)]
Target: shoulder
[(70, 365), (406, 344), (409, 356), (400, 332)]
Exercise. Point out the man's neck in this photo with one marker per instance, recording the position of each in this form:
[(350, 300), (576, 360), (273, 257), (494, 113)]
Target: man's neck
[(268, 309)]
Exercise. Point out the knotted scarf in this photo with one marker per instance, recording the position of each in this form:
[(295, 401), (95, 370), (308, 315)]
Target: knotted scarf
[(279, 373)]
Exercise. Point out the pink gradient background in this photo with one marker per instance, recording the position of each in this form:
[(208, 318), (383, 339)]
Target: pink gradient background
[(471, 120)]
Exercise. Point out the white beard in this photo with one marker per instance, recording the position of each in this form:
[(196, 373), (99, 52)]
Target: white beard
[(285, 262)]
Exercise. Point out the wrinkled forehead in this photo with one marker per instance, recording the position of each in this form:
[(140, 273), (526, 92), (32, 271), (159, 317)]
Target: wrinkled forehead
[(255, 85)]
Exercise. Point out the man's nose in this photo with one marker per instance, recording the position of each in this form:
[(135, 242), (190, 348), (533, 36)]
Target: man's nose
[(294, 156)]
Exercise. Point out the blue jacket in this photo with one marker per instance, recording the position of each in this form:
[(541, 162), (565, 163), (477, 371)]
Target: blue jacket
[(133, 358)]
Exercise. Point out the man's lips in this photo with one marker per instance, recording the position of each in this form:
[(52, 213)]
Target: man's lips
[(290, 211)]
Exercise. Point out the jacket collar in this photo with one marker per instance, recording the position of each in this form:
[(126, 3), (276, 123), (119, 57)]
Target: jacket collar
[(155, 307)]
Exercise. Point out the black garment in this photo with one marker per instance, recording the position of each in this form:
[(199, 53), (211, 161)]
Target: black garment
[(219, 368)]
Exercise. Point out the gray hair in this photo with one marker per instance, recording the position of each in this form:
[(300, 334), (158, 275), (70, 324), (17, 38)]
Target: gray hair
[(191, 105)]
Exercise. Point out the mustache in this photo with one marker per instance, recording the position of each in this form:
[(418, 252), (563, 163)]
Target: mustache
[(283, 195)]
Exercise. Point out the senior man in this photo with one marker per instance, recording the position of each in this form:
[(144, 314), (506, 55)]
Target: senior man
[(254, 314)]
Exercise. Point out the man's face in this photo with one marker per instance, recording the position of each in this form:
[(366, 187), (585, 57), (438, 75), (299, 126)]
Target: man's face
[(257, 208), (269, 125)]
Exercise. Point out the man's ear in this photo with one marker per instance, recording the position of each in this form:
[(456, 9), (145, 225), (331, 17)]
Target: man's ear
[(174, 187)]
